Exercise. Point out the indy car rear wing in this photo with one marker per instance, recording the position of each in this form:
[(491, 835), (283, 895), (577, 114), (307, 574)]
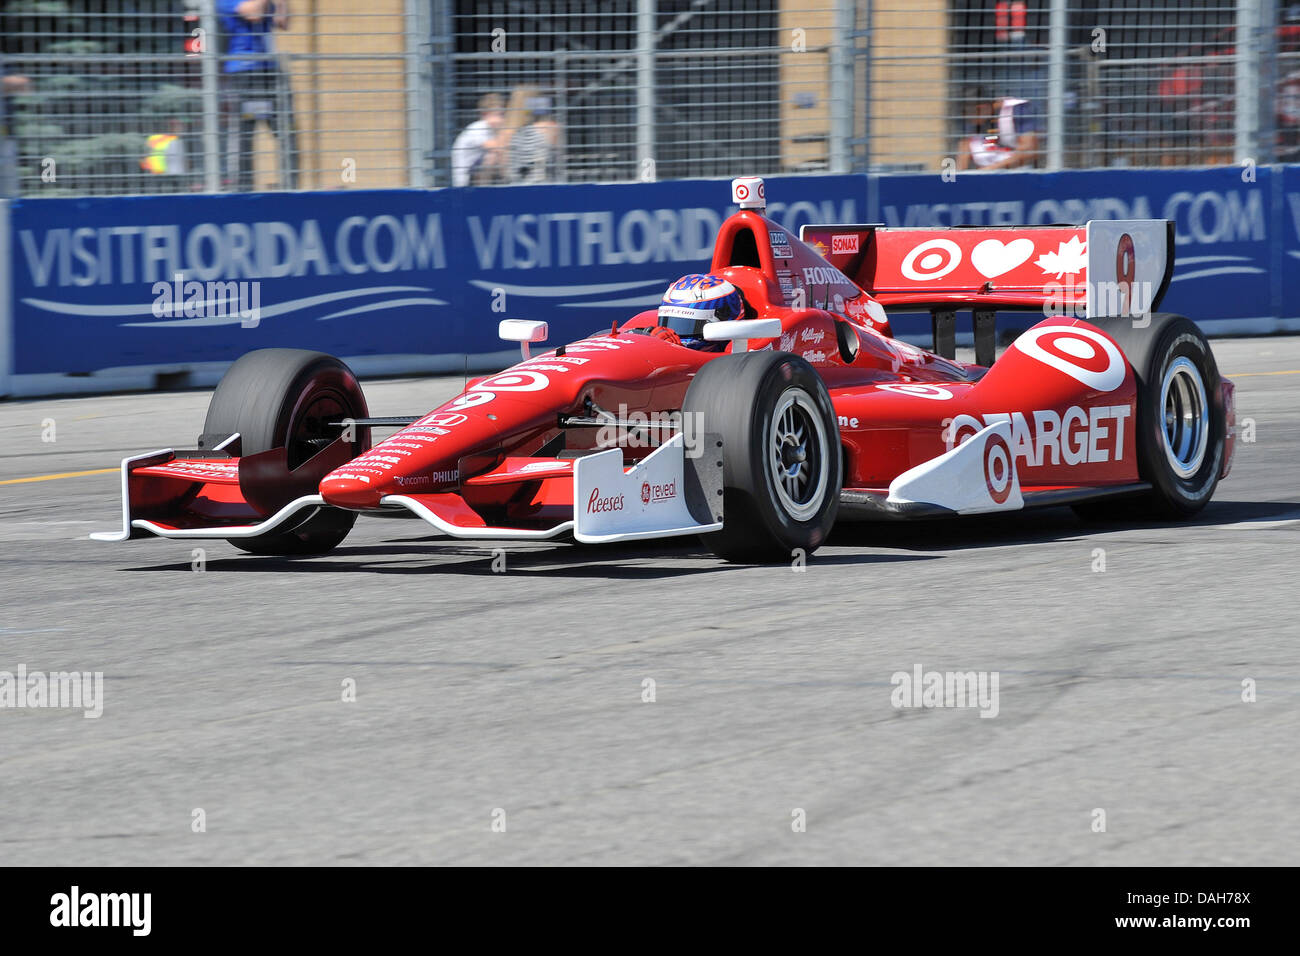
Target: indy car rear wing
[(1104, 269)]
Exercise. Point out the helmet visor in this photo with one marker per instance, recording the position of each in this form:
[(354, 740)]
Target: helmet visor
[(685, 320)]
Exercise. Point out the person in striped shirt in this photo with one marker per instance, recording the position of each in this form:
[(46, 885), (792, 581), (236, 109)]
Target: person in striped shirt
[(535, 155)]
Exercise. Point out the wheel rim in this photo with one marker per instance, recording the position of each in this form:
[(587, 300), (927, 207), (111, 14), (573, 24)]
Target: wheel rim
[(1186, 423), (309, 431), (797, 453)]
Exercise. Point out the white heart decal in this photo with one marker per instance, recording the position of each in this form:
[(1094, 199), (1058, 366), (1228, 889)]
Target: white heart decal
[(993, 258)]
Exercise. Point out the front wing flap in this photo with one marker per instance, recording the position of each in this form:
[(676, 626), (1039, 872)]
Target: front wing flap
[(667, 494), (163, 467)]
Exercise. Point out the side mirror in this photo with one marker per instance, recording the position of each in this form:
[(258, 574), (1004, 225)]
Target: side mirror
[(522, 331), (740, 331)]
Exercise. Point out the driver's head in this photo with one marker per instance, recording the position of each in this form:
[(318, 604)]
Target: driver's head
[(695, 300)]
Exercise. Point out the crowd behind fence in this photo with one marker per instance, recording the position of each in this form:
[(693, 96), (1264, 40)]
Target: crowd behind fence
[(106, 97)]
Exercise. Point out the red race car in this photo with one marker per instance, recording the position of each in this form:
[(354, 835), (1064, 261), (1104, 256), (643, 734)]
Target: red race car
[(759, 403)]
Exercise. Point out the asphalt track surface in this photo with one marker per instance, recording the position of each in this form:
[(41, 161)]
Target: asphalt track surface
[(1120, 690)]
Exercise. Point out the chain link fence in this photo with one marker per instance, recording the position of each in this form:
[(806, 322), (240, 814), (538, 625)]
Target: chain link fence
[(643, 89), (103, 97), (1080, 84)]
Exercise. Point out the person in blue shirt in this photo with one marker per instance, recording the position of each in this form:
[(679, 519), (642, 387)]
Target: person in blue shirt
[(255, 86)]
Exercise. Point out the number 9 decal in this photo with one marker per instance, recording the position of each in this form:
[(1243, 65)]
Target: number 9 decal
[(1125, 270)]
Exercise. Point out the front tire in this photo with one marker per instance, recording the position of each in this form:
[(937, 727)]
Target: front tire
[(781, 454), (285, 398)]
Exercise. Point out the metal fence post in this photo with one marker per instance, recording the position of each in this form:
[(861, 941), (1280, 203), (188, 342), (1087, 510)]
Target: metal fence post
[(1248, 72), (562, 107), (442, 88), (6, 300), (868, 40), (8, 154), (1057, 33), (841, 86), (645, 90), (1267, 139), (211, 98), (419, 94)]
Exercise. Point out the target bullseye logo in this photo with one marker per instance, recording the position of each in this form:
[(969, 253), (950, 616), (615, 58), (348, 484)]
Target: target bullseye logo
[(917, 390), (523, 380), (997, 468), (1083, 354), (931, 260), (748, 192)]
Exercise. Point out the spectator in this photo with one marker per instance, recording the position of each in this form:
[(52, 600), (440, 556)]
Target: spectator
[(256, 87), (1004, 134), (979, 141), (476, 154), (518, 115), (535, 149), (15, 83)]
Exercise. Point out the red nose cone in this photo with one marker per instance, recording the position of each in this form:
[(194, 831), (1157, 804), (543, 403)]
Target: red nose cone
[(346, 489)]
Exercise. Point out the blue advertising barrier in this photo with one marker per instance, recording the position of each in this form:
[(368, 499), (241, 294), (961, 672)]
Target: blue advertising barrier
[(394, 281), (401, 281), (1230, 235)]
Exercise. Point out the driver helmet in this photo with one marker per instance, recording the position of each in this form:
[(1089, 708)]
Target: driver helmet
[(695, 300)]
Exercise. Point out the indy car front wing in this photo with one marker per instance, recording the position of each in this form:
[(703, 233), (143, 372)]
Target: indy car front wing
[(666, 494)]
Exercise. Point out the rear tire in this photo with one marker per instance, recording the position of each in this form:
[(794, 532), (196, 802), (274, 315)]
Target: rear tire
[(1180, 428), (283, 398), (781, 454)]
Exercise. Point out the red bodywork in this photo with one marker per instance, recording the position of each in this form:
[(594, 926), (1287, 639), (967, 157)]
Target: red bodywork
[(489, 457)]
